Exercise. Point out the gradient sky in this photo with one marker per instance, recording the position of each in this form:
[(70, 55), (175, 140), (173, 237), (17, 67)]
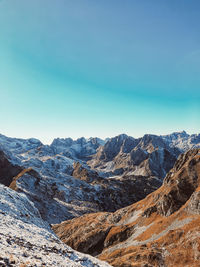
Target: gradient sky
[(99, 67)]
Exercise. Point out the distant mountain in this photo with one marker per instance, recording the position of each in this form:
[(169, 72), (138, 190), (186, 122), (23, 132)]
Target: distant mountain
[(81, 148), (161, 230), (182, 140), (55, 159), (150, 155)]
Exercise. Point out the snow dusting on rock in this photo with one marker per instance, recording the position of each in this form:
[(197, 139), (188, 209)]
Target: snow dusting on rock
[(26, 239)]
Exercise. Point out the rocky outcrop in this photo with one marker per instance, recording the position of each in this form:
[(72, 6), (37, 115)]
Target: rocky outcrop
[(179, 184), (84, 173), (160, 230), (7, 170)]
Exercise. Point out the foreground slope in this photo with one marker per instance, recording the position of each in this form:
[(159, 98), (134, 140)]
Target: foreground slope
[(26, 240), (161, 230)]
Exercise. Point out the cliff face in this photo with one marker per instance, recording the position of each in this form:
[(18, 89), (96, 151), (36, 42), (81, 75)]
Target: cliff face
[(161, 230)]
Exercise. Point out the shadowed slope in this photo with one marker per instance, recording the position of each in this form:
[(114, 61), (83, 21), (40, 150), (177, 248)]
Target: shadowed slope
[(7, 170)]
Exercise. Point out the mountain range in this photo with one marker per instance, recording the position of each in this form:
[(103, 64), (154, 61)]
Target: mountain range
[(99, 180)]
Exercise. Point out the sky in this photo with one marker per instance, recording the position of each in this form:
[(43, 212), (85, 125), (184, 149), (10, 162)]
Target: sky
[(72, 68)]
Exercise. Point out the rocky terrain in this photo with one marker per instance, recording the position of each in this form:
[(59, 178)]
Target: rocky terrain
[(64, 197), (50, 184), (26, 240), (161, 230), (70, 178)]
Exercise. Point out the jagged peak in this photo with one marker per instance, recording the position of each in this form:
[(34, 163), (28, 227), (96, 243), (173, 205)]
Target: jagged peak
[(119, 138), (59, 140)]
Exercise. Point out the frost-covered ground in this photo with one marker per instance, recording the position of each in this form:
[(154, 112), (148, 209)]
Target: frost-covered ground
[(26, 239)]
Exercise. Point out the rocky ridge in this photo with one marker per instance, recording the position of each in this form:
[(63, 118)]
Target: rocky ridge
[(148, 156)]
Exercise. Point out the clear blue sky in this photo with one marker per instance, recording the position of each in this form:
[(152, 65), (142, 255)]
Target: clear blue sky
[(99, 67)]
